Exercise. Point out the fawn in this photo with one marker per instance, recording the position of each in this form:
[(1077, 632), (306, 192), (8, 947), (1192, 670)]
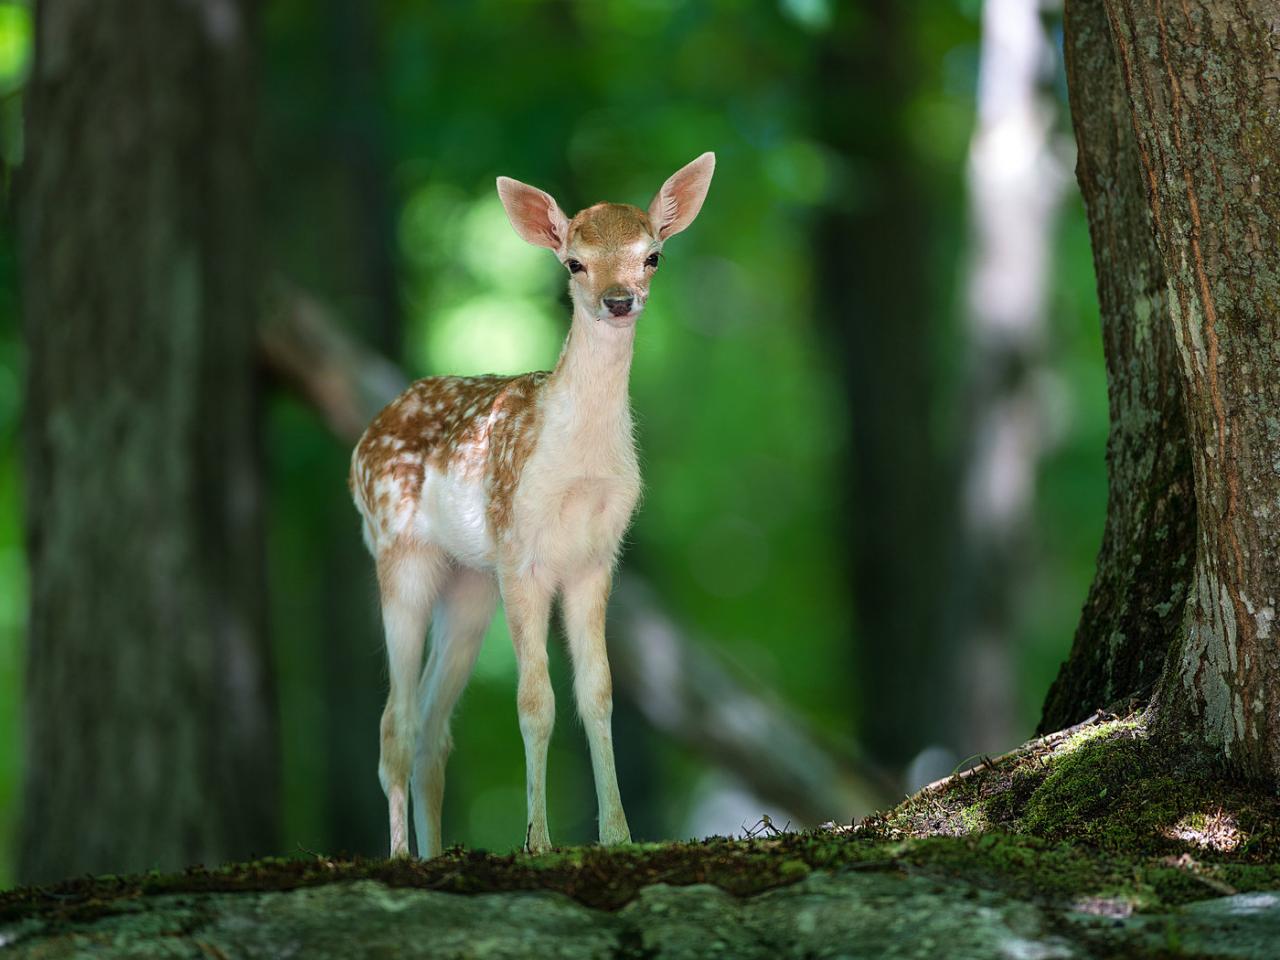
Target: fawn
[(471, 488)]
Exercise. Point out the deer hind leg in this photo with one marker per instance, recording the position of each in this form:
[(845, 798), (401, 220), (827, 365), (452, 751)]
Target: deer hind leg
[(409, 577), (528, 606), (461, 616), (585, 600)]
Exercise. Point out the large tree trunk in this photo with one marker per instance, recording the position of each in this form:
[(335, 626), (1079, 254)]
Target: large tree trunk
[(1136, 601), (350, 629), (151, 731), (1203, 79), (1202, 96)]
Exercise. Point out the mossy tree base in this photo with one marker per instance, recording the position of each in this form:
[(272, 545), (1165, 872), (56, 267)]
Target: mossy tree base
[(1088, 845)]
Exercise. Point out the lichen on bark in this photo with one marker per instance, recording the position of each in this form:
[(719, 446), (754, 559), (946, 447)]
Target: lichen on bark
[(1203, 85), (1134, 606)]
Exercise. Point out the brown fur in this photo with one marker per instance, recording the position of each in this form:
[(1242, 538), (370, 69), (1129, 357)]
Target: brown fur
[(460, 425), (609, 225)]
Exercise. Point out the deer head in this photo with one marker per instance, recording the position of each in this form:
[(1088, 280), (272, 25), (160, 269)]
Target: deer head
[(611, 250)]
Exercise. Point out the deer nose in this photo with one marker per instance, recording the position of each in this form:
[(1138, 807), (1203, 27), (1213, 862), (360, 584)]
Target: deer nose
[(619, 304)]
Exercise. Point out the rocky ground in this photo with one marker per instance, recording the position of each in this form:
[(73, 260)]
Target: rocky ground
[(1088, 844)]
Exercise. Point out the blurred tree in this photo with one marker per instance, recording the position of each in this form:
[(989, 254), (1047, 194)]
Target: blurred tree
[(349, 83), (1201, 86), (880, 317), (151, 727), (360, 140), (1144, 566), (1016, 186)]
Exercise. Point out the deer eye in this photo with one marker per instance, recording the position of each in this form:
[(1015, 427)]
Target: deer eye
[(574, 266), (651, 260)]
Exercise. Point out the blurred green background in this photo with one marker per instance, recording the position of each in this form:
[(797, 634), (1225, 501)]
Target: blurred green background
[(381, 129)]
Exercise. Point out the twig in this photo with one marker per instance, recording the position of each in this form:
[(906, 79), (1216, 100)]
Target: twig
[(1049, 739)]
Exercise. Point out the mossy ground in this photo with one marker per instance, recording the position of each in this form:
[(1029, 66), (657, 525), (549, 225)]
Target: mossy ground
[(1149, 827), (1098, 820)]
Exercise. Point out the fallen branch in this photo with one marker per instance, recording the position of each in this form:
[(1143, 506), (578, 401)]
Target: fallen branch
[(304, 347), (680, 686), (1022, 750)]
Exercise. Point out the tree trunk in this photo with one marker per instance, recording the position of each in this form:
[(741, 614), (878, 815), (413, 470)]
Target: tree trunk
[(1203, 79), (353, 679), (1135, 604), (151, 729)]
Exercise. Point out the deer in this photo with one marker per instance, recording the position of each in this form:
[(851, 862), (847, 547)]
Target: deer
[(518, 488)]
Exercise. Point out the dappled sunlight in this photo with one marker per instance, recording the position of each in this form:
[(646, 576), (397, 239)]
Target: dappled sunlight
[(1215, 830), (1111, 730), (1095, 906)]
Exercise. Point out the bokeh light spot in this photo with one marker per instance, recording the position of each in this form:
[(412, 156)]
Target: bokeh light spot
[(497, 257), (492, 334), (15, 43)]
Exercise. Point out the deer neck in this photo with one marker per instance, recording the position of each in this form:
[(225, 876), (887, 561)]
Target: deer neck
[(589, 389)]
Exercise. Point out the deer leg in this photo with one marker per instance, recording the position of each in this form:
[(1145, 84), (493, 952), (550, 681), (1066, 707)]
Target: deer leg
[(585, 600), (461, 615), (408, 579), (528, 606)]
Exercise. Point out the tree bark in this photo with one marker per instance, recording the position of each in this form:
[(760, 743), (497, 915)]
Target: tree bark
[(1135, 604), (1203, 82), (151, 738)]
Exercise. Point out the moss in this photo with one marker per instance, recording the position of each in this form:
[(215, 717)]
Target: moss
[(1102, 813), (594, 876), (1099, 820), (1028, 867)]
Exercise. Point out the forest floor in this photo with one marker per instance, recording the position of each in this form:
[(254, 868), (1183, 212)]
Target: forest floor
[(1090, 843)]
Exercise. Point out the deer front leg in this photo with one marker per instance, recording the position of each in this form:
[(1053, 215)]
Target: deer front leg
[(585, 602), (528, 605)]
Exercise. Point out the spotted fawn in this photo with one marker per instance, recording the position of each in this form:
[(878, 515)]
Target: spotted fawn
[(519, 487)]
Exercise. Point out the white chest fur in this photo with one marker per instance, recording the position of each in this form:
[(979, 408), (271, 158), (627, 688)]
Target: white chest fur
[(580, 485)]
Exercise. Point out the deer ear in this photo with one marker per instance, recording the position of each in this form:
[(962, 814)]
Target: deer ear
[(680, 198), (534, 213)]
